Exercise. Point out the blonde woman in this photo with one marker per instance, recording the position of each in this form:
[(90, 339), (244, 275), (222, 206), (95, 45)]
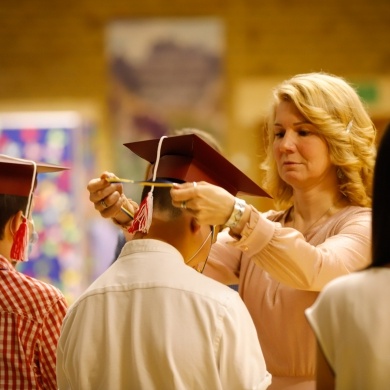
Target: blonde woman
[(321, 153)]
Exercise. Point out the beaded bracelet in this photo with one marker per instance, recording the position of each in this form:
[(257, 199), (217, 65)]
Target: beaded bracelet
[(237, 213)]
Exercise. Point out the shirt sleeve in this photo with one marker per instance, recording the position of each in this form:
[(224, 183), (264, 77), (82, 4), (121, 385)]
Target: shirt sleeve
[(242, 364), (51, 328), (321, 317), (286, 255)]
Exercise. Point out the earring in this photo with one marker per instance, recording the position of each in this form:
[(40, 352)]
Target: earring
[(340, 173)]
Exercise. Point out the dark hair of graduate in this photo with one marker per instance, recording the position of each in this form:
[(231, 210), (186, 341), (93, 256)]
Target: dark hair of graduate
[(381, 204), (162, 200), (9, 206)]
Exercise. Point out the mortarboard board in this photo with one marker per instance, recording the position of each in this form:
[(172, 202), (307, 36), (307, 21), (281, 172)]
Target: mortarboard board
[(189, 158), (17, 177)]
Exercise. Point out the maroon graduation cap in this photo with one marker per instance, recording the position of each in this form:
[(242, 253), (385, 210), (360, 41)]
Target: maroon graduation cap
[(188, 158)]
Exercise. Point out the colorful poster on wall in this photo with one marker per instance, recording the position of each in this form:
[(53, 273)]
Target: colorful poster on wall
[(59, 256), (165, 74)]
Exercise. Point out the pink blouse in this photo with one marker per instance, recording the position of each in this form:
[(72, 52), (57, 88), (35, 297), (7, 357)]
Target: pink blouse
[(280, 273)]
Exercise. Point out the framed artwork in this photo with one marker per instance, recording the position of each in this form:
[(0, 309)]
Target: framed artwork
[(164, 74)]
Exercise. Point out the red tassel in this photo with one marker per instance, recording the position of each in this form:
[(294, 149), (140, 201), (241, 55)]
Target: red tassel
[(143, 216), (19, 246)]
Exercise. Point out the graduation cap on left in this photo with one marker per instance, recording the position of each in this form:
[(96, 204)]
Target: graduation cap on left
[(17, 177)]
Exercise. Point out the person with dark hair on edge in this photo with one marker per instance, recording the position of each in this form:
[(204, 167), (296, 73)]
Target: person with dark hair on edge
[(351, 316)]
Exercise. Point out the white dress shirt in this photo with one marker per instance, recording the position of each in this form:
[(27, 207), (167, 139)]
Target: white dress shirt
[(151, 322)]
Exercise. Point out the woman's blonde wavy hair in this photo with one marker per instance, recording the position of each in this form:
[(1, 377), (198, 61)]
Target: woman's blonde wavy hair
[(334, 107)]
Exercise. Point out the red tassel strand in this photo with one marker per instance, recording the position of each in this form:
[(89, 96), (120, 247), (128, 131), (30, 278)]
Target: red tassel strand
[(19, 246), (143, 216)]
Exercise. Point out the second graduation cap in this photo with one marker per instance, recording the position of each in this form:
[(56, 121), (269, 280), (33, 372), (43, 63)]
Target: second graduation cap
[(188, 158), (17, 176)]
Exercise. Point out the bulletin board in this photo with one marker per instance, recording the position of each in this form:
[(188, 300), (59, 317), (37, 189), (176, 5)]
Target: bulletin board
[(60, 256)]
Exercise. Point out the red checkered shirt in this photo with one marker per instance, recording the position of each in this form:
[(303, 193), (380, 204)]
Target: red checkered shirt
[(31, 314)]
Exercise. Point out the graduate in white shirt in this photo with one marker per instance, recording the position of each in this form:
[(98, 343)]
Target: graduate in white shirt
[(152, 320)]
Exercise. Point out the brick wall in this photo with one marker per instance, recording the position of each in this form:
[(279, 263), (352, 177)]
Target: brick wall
[(54, 51)]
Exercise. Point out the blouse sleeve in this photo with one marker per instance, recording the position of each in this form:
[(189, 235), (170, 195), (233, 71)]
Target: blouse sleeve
[(285, 254), (224, 261)]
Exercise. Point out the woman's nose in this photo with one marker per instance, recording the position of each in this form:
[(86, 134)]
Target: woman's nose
[(287, 142)]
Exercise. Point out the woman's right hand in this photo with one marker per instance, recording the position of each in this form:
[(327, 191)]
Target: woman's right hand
[(109, 199)]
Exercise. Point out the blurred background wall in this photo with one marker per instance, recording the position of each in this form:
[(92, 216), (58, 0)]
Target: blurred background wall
[(54, 58)]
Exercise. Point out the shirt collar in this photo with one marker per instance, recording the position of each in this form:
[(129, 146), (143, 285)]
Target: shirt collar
[(5, 265)]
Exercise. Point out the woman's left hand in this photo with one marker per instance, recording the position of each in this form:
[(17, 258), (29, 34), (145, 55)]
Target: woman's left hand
[(210, 204)]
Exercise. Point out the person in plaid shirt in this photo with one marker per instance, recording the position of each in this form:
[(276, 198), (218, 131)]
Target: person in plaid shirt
[(31, 311)]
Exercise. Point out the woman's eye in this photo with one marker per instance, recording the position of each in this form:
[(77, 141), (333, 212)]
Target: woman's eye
[(279, 134), (304, 133)]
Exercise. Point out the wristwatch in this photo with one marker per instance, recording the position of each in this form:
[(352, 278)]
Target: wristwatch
[(236, 215)]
